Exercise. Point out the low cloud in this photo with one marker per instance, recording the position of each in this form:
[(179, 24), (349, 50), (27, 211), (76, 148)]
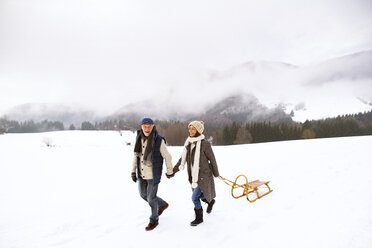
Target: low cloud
[(103, 56)]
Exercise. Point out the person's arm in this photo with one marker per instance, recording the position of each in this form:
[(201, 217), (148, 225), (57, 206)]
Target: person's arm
[(134, 164), (210, 156), (168, 158), (176, 167)]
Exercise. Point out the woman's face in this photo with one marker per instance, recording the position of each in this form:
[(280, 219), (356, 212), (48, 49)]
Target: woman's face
[(192, 131)]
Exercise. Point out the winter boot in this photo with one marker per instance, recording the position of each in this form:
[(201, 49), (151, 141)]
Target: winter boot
[(210, 206), (198, 217), (151, 226)]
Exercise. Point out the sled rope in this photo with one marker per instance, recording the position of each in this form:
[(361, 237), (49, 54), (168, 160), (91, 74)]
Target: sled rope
[(248, 188)]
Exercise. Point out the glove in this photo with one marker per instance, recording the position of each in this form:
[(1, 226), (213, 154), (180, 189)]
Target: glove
[(170, 175), (134, 177)]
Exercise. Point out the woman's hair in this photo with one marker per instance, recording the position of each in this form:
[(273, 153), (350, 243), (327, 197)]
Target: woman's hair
[(197, 134)]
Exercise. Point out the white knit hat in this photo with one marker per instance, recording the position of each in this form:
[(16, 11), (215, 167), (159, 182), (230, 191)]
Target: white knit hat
[(199, 126)]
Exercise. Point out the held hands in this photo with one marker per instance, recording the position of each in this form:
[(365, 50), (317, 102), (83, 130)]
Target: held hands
[(170, 175), (134, 177), (175, 170)]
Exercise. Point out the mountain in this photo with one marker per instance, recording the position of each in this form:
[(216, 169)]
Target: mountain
[(250, 91), (238, 107), (353, 67), (356, 66), (337, 86), (51, 112), (242, 108), (334, 87)]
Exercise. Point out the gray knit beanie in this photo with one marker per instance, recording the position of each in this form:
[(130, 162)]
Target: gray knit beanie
[(199, 126)]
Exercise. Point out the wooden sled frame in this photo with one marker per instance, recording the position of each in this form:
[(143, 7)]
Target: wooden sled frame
[(248, 188)]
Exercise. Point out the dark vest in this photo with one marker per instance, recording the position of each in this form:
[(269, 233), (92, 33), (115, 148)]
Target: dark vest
[(157, 158)]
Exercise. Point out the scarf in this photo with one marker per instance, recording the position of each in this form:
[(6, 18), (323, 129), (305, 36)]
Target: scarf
[(147, 157), (195, 166)]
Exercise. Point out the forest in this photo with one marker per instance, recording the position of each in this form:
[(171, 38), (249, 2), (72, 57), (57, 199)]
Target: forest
[(232, 133)]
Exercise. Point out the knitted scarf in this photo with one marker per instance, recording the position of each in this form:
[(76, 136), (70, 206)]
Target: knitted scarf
[(195, 166), (147, 157)]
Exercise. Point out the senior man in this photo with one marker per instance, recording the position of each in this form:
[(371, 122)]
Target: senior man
[(150, 151)]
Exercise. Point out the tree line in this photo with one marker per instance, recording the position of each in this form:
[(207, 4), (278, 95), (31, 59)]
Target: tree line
[(341, 126), (11, 126), (257, 132), (176, 132)]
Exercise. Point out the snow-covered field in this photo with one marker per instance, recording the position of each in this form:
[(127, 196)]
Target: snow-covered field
[(77, 192)]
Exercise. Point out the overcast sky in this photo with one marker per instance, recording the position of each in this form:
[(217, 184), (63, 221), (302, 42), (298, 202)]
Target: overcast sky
[(102, 55)]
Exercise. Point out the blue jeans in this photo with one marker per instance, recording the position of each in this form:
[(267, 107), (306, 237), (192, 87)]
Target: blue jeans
[(197, 195), (148, 192)]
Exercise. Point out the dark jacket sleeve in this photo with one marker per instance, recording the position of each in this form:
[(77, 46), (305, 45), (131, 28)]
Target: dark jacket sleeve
[(212, 160), (176, 167)]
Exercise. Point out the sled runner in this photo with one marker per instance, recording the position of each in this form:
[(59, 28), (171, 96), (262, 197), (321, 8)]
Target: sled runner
[(250, 189)]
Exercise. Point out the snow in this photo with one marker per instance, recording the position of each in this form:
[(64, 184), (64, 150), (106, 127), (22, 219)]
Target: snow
[(77, 192)]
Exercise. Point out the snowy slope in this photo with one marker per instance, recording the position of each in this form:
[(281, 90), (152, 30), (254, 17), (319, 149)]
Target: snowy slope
[(329, 88), (78, 193)]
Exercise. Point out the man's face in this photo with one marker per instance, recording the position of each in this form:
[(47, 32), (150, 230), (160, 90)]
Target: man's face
[(147, 129)]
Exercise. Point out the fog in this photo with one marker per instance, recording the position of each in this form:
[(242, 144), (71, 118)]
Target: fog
[(103, 55)]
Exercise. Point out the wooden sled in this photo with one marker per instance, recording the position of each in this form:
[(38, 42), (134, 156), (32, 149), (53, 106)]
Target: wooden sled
[(248, 189)]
